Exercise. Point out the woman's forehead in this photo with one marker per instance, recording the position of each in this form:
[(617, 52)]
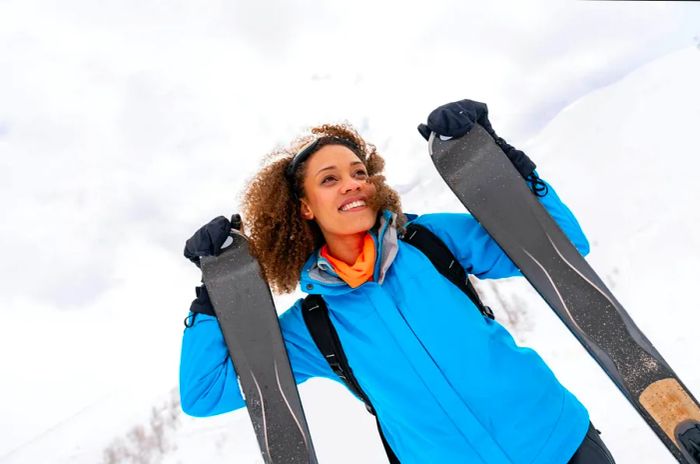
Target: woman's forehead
[(332, 155)]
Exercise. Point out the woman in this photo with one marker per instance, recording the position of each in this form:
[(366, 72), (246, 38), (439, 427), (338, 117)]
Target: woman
[(448, 384)]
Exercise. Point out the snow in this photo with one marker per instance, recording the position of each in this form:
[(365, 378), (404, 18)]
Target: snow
[(623, 157)]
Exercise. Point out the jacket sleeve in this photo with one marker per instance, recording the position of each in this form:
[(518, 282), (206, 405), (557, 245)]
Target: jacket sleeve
[(208, 380), (479, 254)]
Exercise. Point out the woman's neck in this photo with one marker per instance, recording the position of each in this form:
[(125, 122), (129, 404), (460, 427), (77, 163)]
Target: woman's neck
[(346, 247)]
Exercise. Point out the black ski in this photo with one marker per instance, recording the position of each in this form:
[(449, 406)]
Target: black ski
[(488, 185), (246, 312)]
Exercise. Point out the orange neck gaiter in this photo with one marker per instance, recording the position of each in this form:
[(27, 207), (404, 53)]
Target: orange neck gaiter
[(361, 271)]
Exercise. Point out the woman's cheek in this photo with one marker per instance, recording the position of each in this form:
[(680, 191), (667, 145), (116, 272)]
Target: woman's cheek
[(373, 198)]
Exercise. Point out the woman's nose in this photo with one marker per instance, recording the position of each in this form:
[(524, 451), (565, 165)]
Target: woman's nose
[(351, 184)]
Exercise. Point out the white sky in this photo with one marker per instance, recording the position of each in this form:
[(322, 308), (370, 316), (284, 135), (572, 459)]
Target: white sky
[(125, 125), (135, 117)]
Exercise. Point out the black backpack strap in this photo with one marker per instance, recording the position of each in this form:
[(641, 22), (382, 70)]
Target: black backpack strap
[(326, 338), (444, 261)]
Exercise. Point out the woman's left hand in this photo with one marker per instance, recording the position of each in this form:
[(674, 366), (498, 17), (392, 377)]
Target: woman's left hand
[(457, 119)]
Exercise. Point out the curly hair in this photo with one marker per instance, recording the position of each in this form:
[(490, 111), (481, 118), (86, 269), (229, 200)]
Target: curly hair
[(280, 238)]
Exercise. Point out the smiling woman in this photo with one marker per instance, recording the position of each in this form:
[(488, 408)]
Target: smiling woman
[(299, 201), (446, 381)]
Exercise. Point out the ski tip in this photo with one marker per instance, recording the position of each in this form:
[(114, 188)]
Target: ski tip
[(236, 232)]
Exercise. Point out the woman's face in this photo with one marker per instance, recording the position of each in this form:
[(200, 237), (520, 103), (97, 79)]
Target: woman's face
[(336, 192)]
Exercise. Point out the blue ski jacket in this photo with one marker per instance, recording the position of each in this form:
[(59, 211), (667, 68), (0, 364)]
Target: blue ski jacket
[(448, 385)]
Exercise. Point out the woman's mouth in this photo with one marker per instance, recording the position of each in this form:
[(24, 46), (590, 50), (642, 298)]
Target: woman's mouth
[(353, 206)]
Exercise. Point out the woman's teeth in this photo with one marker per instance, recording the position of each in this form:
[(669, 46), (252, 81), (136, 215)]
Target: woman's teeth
[(354, 204)]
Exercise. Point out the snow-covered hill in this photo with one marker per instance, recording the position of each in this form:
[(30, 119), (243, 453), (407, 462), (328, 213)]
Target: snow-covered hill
[(624, 158)]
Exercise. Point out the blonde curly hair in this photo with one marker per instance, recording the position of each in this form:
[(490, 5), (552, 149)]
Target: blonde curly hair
[(280, 238)]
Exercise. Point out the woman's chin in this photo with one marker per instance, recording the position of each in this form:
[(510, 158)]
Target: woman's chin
[(359, 221)]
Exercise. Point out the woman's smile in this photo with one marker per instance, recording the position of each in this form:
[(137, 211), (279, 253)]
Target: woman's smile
[(353, 209), (353, 205)]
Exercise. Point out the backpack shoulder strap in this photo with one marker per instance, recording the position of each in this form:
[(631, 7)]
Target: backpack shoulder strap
[(321, 328), (326, 338), (444, 261)]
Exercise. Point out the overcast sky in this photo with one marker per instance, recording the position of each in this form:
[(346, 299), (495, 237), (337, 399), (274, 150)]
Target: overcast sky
[(124, 125), (141, 117)]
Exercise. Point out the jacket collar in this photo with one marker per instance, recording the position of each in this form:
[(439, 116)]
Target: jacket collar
[(318, 276)]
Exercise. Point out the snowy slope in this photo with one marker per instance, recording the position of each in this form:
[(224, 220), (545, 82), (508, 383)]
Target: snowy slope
[(625, 160)]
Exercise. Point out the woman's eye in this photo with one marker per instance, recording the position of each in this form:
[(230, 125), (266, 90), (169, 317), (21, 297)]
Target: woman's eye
[(328, 179)]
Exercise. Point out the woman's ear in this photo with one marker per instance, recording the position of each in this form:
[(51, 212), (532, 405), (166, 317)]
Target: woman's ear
[(306, 212)]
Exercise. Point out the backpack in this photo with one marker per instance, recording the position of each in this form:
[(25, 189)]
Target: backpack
[(318, 322)]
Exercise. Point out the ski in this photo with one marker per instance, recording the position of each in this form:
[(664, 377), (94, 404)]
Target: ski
[(246, 312), (488, 185)]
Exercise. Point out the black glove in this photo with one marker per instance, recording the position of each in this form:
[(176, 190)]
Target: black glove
[(457, 118), (209, 238), (202, 304), (207, 241)]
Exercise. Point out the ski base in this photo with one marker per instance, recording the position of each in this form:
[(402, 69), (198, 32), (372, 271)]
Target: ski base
[(248, 319)]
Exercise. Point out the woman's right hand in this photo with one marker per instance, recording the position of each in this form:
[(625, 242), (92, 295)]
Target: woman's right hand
[(207, 241), (210, 238)]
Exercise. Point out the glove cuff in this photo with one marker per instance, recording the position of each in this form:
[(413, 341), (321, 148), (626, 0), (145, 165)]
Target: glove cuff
[(202, 304), (521, 161)]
